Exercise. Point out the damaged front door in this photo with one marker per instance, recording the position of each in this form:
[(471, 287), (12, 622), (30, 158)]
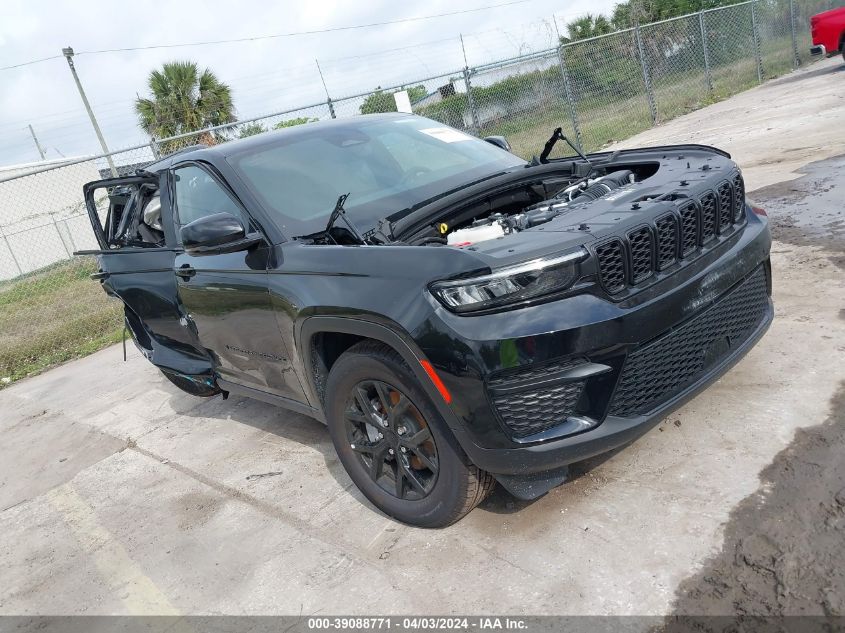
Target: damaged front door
[(225, 294)]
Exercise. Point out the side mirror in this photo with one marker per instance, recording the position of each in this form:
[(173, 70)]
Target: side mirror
[(218, 233), (499, 141)]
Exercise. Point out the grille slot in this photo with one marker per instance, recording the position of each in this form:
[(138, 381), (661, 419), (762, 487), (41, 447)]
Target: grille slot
[(689, 229), (642, 247), (708, 217), (657, 371), (667, 240), (530, 412), (628, 260), (611, 256), (739, 197), (531, 372), (726, 215)]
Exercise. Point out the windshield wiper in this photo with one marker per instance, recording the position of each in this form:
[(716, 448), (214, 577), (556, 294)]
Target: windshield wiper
[(340, 212)]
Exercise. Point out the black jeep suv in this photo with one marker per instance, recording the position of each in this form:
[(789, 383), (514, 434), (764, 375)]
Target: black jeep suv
[(456, 315)]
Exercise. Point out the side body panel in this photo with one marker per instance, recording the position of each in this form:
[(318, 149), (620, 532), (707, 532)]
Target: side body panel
[(228, 305), (226, 298)]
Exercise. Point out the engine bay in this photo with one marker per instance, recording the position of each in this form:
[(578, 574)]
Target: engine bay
[(528, 205)]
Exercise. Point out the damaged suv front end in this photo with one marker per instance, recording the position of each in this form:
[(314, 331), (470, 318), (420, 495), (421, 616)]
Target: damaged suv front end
[(454, 314), (651, 286)]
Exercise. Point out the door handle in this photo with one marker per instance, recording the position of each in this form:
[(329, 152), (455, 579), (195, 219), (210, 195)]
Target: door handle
[(186, 271)]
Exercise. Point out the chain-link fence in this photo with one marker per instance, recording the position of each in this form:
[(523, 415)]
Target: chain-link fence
[(602, 89)]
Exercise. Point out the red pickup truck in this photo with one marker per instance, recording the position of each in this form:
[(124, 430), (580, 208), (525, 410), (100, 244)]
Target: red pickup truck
[(828, 30)]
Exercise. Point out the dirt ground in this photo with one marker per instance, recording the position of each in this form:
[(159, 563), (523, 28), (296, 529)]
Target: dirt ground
[(121, 495), (783, 548)]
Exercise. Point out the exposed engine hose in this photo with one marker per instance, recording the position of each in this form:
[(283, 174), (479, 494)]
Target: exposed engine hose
[(431, 241), (604, 185)]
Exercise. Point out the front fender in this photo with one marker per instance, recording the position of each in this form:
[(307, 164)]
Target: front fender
[(392, 336)]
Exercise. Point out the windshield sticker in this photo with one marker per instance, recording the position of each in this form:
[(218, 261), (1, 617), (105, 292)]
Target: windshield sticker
[(447, 134)]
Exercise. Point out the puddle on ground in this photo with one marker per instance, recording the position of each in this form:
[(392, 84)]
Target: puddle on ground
[(813, 203)]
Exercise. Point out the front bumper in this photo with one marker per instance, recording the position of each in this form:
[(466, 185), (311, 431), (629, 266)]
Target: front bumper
[(613, 432), (596, 331)]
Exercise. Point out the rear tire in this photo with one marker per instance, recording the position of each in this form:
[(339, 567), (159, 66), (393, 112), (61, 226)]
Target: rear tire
[(202, 390), (377, 413)]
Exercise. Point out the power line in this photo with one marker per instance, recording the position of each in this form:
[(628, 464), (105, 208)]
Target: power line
[(30, 62), (275, 36), (298, 33)]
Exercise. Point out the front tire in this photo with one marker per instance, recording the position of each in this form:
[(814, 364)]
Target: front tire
[(394, 444)]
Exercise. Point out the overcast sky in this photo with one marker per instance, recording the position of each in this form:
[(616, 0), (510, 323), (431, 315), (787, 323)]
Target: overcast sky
[(266, 75)]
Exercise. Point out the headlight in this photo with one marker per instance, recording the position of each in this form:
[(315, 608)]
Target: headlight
[(514, 284)]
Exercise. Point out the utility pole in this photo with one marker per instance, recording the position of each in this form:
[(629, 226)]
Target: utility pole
[(326, 88), (68, 53), (37, 144)]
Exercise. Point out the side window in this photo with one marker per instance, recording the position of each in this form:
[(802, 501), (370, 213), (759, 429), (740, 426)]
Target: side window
[(198, 194)]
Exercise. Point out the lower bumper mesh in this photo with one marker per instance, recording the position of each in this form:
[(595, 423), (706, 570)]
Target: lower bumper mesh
[(530, 412), (659, 370)]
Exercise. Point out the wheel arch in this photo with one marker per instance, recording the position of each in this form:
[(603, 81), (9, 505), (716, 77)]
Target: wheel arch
[(342, 333)]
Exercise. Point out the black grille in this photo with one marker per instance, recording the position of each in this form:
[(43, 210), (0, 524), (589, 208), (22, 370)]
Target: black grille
[(708, 217), (664, 367), (611, 258), (667, 228), (726, 216), (530, 412), (630, 260), (531, 372), (689, 229), (642, 247), (739, 198)]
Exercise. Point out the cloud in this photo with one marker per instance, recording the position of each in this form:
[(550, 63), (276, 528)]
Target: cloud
[(265, 75)]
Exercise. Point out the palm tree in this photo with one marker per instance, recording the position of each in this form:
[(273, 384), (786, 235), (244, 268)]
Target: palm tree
[(588, 25), (184, 100)]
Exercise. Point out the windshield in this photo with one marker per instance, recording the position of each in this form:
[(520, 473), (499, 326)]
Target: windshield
[(387, 165)]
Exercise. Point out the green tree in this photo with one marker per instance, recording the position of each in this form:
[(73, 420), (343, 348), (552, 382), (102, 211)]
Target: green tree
[(378, 101), (381, 101), (183, 99), (415, 93), (588, 26), (621, 17), (291, 122), (251, 129), (627, 14)]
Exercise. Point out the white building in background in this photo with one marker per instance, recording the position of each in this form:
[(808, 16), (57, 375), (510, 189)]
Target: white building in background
[(42, 213)]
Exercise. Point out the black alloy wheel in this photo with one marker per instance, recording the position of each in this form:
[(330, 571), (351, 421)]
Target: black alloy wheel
[(394, 443), (392, 440)]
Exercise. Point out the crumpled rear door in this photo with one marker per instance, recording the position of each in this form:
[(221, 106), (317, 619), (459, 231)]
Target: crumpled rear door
[(109, 205), (141, 274)]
